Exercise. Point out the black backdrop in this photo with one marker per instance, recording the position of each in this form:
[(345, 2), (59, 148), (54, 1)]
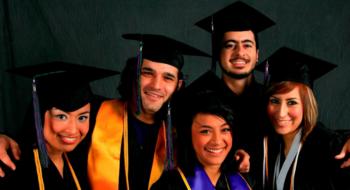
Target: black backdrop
[(88, 32)]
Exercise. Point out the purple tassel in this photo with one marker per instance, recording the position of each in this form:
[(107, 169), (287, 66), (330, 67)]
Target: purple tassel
[(266, 73), (138, 78), (44, 160), (169, 141)]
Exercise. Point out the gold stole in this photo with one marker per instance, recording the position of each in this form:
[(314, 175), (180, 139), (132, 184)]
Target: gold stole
[(104, 154)]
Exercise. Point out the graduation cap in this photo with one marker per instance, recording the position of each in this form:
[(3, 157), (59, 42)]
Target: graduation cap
[(236, 17), (59, 84), (290, 65), (163, 49)]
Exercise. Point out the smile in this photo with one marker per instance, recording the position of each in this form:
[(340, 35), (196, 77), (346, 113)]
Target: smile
[(215, 150), (68, 139), (154, 94)]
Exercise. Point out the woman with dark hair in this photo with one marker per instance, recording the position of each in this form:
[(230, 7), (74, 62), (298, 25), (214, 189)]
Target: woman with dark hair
[(56, 124), (205, 149)]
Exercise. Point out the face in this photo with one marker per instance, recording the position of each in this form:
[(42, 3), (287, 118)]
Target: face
[(285, 112), (238, 54), (211, 139), (63, 131), (158, 82)]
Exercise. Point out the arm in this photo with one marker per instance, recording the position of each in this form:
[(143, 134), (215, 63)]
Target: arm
[(243, 158), (5, 144), (342, 155)]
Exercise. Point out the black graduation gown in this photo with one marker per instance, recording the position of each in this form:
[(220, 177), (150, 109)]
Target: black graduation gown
[(316, 168), (171, 180), (25, 176), (142, 141)]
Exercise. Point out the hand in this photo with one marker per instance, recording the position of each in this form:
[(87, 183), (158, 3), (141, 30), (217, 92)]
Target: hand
[(5, 144), (243, 158), (345, 150)]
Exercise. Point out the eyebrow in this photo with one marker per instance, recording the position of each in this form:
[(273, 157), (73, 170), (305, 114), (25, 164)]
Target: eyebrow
[(236, 41)]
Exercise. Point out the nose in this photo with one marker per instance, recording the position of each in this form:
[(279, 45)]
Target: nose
[(215, 139), (156, 82), (240, 50), (283, 110), (72, 126)]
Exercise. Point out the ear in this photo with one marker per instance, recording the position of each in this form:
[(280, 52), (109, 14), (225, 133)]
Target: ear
[(257, 55), (179, 84)]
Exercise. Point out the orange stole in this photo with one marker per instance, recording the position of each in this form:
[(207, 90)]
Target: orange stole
[(104, 154)]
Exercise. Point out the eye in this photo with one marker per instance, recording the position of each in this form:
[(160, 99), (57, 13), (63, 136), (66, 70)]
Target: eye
[(292, 102), (83, 117), (60, 116), (169, 77), (274, 101), (248, 45), (226, 130), (146, 73), (204, 131), (229, 45)]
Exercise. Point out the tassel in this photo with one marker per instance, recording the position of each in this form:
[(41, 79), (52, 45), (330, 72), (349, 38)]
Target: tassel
[(138, 78), (266, 74), (169, 165), (44, 160)]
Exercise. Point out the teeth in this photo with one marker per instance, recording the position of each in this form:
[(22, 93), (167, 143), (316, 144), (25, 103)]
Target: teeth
[(69, 139), (215, 150)]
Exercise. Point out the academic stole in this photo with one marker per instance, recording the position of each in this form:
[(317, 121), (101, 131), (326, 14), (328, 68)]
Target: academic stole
[(110, 132), (40, 173), (281, 173), (200, 181)]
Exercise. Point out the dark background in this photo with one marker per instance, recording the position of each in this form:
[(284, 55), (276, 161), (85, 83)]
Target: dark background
[(89, 32)]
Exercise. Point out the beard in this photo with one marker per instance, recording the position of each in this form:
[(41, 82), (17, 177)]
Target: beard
[(236, 76)]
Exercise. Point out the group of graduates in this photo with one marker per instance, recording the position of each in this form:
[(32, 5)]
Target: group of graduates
[(216, 133)]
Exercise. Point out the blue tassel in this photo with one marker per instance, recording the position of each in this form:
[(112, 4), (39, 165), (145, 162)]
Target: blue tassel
[(44, 160)]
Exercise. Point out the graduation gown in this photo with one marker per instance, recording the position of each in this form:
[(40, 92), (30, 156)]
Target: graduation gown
[(25, 175), (172, 180), (316, 166), (112, 161)]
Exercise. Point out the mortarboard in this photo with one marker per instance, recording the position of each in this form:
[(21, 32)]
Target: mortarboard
[(236, 17), (61, 84), (163, 49), (58, 84), (287, 64)]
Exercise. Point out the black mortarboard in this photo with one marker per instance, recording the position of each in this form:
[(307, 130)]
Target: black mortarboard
[(163, 49), (58, 84), (290, 65), (62, 85), (236, 17)]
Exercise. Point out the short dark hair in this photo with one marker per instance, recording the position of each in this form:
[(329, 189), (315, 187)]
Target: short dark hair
[(186, 157)]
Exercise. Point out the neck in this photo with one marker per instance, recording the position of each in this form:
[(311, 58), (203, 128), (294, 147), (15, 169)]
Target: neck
[(148, 118), (288, 140), (145, 118), (237, 85), (213, 173), (57, 159)]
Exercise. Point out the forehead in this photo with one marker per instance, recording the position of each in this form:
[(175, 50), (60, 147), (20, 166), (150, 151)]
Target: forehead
[(293, 93), (239, 36), (208, 119), (160, 67)]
